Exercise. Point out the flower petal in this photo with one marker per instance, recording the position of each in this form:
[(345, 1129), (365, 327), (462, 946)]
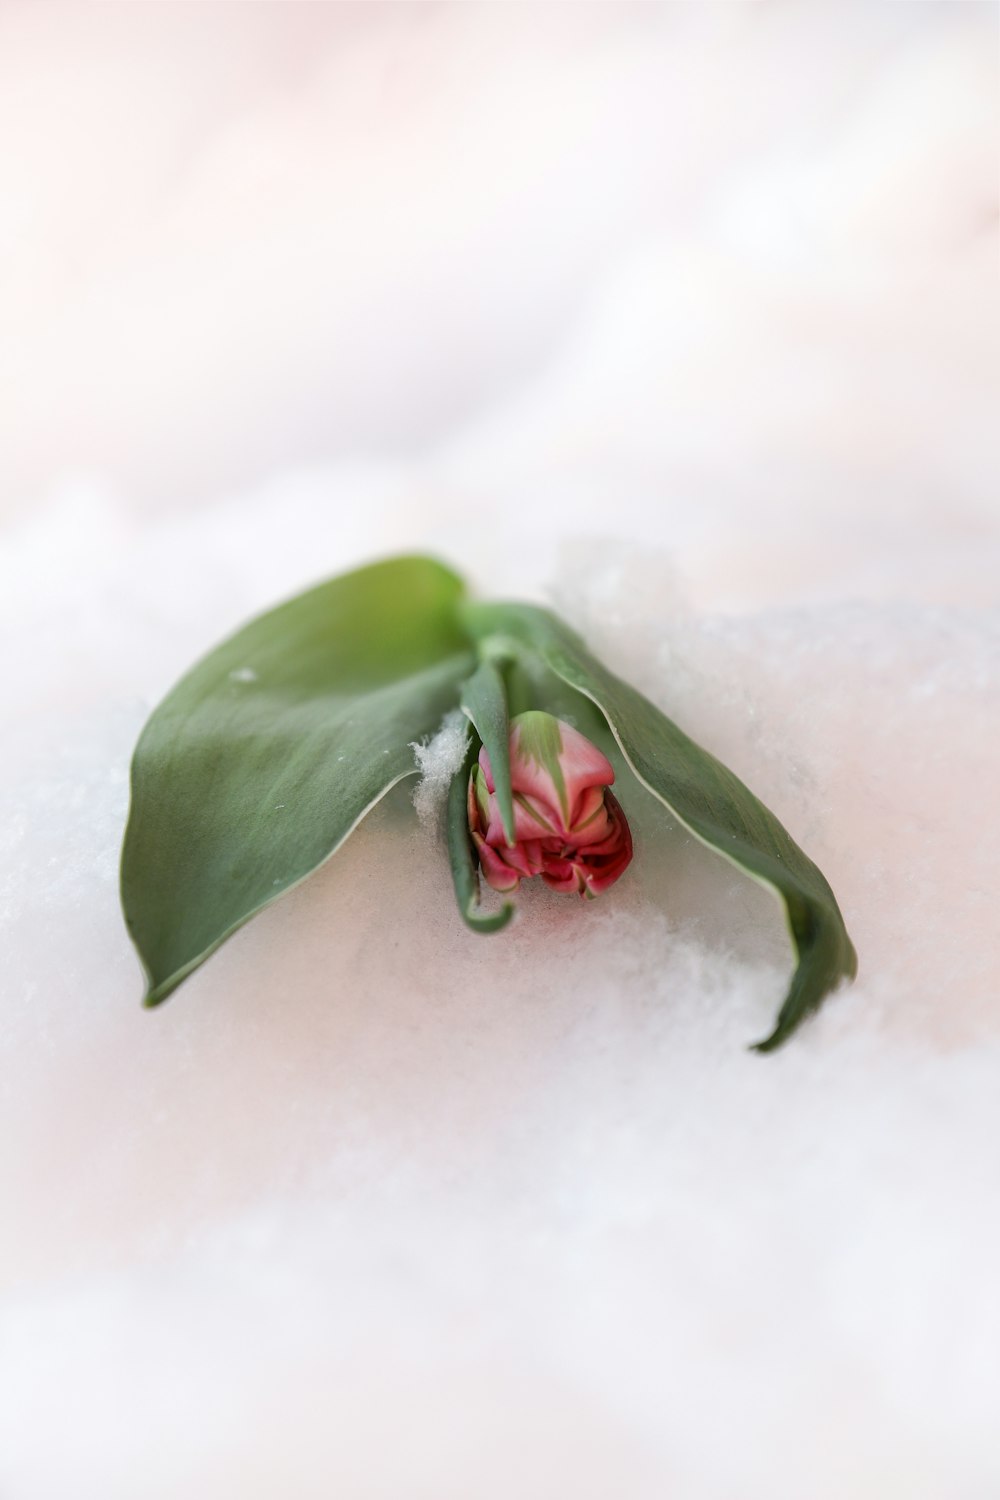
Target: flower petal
[(532, 821), (561, 875), (555, 764), (593, 821), (496, 871)]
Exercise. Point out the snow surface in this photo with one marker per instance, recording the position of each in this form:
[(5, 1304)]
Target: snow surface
[(684, 318)]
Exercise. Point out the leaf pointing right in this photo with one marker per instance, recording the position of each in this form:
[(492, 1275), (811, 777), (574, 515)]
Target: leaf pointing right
[(706, 797)]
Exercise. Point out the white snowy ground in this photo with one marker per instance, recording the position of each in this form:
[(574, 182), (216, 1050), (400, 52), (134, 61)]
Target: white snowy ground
[(683, 317)]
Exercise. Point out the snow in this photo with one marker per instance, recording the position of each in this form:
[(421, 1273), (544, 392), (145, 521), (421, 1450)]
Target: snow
[(683, 319), (439, 759)]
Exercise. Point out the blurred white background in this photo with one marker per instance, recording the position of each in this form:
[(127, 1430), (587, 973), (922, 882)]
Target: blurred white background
[(688, 316), (735, 264)]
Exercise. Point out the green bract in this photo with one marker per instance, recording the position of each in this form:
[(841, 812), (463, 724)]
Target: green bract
[(262, 760)]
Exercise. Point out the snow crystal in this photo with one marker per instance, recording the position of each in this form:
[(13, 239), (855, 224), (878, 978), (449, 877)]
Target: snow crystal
[(439, 759)]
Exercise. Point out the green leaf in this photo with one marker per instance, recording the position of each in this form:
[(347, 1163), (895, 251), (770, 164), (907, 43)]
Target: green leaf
[(269, 752), (484, 701), (462, 854), (703, 795)]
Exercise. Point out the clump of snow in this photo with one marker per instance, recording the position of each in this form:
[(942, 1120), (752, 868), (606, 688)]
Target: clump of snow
[(439, 759), (691, 331)]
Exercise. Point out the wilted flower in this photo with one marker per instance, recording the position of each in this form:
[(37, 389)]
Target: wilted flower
[(568, 827)]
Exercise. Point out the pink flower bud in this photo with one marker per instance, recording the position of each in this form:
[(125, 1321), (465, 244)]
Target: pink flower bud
[(568, 827)]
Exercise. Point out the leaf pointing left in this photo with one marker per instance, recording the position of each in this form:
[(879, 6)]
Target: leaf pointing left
[(261, 761)]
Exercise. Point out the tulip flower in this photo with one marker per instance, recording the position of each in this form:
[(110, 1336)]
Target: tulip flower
[(568, 827)]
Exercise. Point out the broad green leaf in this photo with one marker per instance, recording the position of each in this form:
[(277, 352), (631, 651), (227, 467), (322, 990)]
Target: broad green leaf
[(484, 701), (269, 752), (703, 795), (461, 852)]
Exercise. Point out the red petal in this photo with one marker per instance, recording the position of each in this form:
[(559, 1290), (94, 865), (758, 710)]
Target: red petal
[(582, 766), (496, 872), (593, 821), (560, 875)]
